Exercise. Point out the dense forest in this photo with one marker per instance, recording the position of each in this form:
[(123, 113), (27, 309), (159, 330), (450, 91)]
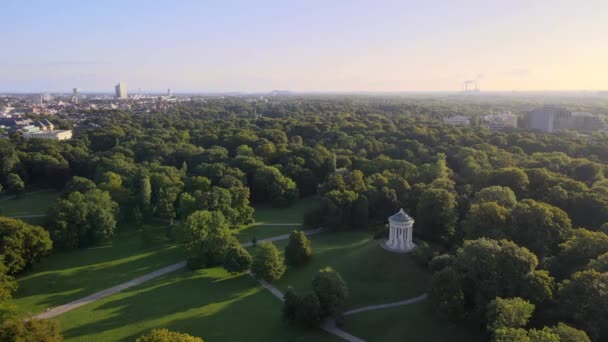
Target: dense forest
[(513, 224)]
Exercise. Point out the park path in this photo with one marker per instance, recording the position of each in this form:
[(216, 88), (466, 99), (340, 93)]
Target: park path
[(28, 216), (58, 310), (388, 305), (107, 292)]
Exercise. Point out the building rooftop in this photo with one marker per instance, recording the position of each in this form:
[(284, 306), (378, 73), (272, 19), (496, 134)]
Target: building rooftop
[(401, 216)]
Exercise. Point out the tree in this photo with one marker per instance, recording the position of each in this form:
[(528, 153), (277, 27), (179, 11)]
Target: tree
[(508, 313), (78, 184), (165, 335), (21, 244), (583, 300), (567, 333), (298, 250), (331, 290), (576, 252), (8, 286), (145, 193), (268, 263), (82, 220), (484, 269), (207, 239), (269, 184), (447, 294), (486, 219), (32, 330), (303, 310), (14, 183), (502, 195), (539, 226), (436, 215), (599, 264), (237, 259)]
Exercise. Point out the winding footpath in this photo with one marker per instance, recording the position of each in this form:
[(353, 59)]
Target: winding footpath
[(388, 305), (58, 310)]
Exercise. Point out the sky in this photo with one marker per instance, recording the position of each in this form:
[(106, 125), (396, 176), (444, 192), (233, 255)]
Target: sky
[(325, 46)]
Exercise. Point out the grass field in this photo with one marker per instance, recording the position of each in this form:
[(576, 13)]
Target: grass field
[(293, 214), (33, 203), (373, 275), (66, 276), (268, 220), (415, 322), (208, 303)]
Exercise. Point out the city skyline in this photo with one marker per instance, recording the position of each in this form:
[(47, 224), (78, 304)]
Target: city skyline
[(360, 46)]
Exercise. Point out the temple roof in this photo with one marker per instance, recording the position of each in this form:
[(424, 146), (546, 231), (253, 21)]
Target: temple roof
[(401, 216)]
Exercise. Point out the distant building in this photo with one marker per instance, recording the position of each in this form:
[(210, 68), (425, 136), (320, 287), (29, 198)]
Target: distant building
[(553, 119), (121, 91), (49, 135), (75, 95), (585, 122), (169, 92), (547, 119), (458, 120), (496, 122)]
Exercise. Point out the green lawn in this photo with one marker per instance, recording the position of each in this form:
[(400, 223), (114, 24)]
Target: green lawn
[(373, 275), (208, 303), (69, 275), (246, 234), (415, 322), (33, 203), (293, 214)]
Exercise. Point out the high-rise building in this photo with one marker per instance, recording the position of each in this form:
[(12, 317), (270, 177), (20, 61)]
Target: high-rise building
[(169, 92), (121, 91), (75, 95)]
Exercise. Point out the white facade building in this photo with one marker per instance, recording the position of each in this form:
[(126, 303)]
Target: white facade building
[(401, 226), (49, 135), (458, 120)]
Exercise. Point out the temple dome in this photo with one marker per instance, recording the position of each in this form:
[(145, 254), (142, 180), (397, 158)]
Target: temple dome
[(401, 217)]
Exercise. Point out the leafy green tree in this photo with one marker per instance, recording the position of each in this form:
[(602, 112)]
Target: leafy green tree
[(268, 263), (207, 239), (165, 335), (447, 294), (82, 220), (78, 184), (308, 311), (145, 193), (332, 291), (576, 252), (510, 335), (502, 195), (22, 244), (583, 301), (237, 259), (486, 219), (436, 215), (269, 184), (539, 226), (32, 330), (508, 313), (599, 264), (298, 250), (567, 333), (14, 183)]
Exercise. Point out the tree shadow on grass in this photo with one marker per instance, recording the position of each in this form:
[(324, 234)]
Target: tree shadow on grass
[(60, 287)]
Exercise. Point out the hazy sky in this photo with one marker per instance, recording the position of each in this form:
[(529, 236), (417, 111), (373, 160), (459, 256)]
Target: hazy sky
[(310, 45)]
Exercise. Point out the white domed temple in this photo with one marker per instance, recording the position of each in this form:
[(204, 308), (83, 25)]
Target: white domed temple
[(400, 233)]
